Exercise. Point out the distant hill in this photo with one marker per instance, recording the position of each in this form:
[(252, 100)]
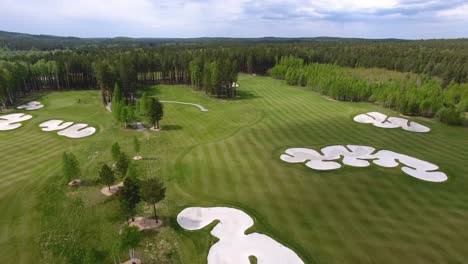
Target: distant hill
[(21, 41)]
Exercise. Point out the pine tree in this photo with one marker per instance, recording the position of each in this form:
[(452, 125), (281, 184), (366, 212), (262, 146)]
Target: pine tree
[(70, 166), (129, 240), (115, 151), (117, 102), (106, 175), (129, 197), (121, 166), (136, 144), (156, 112), (152, 192)]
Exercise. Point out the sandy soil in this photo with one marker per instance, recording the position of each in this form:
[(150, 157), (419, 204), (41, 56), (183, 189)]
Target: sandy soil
[(136, 261), (144, 223), (113, 189), (75, 182)]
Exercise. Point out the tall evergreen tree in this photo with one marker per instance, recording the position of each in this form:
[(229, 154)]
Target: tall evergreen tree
[(156, 112), (115, 151), (117, 103), (129, 240), (136, 145), (152, 192), (106, 175), (70, 166), (121, 166), (129, 197)]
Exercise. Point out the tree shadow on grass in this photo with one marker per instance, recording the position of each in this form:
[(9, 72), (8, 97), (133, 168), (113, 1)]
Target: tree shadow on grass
[(171, 127), (149, 158), (246, 95), (150, 90)]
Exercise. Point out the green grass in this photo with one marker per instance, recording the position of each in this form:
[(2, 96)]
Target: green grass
[(229, 156)]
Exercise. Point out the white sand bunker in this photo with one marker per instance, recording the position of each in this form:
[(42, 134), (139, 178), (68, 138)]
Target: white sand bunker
[(358, 156), (203, 109), (34, 105), (381, 120), (68, 129), (234, 246), (11, 121), (78, 131)]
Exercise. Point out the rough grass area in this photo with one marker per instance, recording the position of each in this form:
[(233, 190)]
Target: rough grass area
[(229, 156)]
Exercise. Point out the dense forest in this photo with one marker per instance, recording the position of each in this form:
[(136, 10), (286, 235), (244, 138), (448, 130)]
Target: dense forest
[(410, 94), (31, 63)]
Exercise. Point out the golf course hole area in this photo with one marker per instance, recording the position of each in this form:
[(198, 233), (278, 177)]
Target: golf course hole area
[(68, 129), (234, 246), (12, 121), (362, 156), (203, 109), (34, 105), (380, 120)]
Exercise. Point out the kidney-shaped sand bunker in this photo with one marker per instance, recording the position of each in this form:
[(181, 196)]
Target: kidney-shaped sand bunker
[(12, 121), (67, 129), (234, 246)]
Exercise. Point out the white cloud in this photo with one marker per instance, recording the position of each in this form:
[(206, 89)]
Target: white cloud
[(458, 12), (353, 5), (246, 18)]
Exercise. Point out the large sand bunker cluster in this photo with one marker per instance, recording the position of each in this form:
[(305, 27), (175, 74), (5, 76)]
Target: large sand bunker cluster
[(33, 105), (234, 246), (361, 156), (67, 129), (380, 120), (12, 121)]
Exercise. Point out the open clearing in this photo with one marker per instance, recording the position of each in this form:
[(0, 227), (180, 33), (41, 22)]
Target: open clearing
[(229, 157)]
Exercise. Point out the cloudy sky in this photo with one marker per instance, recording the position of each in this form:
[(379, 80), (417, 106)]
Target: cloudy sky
[(411, 19)]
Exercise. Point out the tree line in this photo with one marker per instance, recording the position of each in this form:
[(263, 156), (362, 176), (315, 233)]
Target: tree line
[(213, 72), (212, 67), (410, 94)]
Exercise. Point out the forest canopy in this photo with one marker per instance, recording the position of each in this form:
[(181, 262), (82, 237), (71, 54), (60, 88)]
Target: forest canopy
[(435, 82)]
